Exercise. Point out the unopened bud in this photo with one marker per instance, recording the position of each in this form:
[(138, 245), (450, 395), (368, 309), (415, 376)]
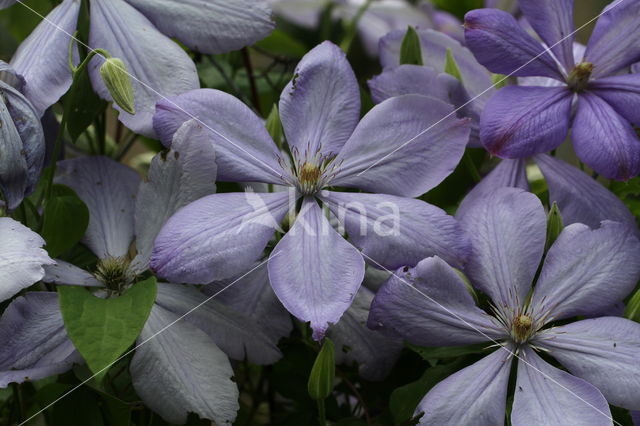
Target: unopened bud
[(116, 77)]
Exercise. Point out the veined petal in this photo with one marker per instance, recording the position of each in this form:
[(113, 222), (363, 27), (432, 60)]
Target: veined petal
[(395, 231), (547, 396), (504, 47), (587, 270), (109, 190), (355, 342), (178, 369), (176, 178), (603, 351), (430, 305), (22, 257), (65, 273), (43, 57), (244, 150), (615, 42), (404, 146), (410, 79), (215, 26), (13, 163), (553, 21), (159, 67), (622, 93), (508, 231), (35, 344), (604, 140), (508, 173), (518, 121), (320, 107), (580, 198), (474, 395), (314, 272), (251, 293), (217, 237)]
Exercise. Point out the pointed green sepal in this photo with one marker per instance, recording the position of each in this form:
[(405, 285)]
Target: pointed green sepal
[(274, 125), (554, 225), (410, 51), (323, 372), (632, 311), (499, 81), (451, 67)]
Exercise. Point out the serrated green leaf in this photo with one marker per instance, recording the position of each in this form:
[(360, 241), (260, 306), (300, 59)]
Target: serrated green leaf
[(410, 51), (323, 372), (451, 66), (102, 329), (65, 220)]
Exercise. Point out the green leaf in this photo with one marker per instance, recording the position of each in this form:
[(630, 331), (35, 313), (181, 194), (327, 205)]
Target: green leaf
[(499, 81), (410, 51), (102, 329), (323, 372), (82, 105), (632, 311), (282, 44), (451, 67), (554, 225), (447, 352), (65, 220), (274, 125), (405, 399)]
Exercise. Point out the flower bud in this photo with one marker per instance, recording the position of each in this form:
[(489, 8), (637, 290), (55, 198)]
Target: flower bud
[(116, 77)]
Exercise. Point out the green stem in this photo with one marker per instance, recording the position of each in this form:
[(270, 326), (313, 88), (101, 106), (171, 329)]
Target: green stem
[(322, 413), (57, 150), (252, 79), (353, 26), (471, 167)]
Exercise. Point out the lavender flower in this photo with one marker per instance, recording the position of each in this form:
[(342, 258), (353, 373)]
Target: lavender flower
[(22, 143), (313, 270), (522, 121), (139, 32), (584, 273)]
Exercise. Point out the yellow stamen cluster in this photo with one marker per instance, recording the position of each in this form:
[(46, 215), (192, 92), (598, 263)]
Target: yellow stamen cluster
[(578, 78)]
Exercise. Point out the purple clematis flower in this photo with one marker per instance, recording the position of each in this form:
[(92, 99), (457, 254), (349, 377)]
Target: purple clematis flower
[(313, 270), (185, 368), (22, 258), (520, 121), (22, 142), (584, 273), (159, 65), (380, 17)]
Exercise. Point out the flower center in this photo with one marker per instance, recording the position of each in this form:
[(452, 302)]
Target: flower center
[(578, 78), (311, 171), (309, 175), (522, 328), (114, 273)]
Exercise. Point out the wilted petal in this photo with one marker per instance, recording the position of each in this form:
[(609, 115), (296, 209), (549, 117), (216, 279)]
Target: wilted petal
[(615, 42), (622, 92), (430, 305), (10, 76), (404, 146), (395, 231), (553, 21), (176, 178), (215, 26), (546, 395), (35, 344), (21, 257), (320, 107), (65, 273), (239, 335), (159, 66), (218, 236), (244, 150), (13, 164), (604, 140), (509, 173), (504, 47), (603, 351), (355, 342), (508, 231), (109, 190), (518, 121), (476, 395), (177, 369), (252, 294), (314, 271), (587, 270), (43, 58), (581, 199)]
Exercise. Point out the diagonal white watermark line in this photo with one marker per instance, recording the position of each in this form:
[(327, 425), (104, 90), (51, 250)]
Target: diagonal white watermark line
[(495, 342), (163, 329), (547, 50), (80, 42)]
